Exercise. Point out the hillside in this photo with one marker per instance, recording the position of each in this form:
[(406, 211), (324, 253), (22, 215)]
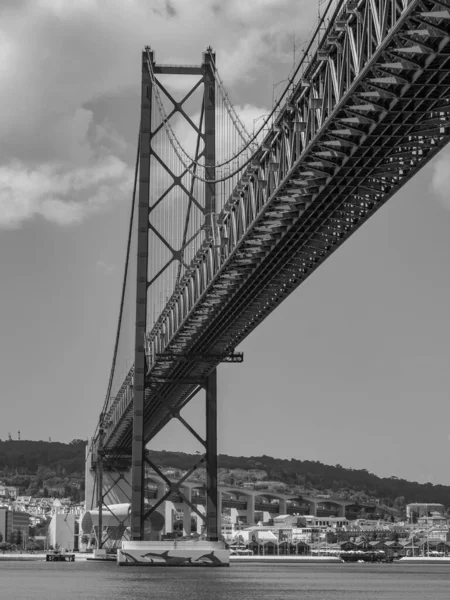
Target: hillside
[(314, 475), (57, 469), (44, 468)]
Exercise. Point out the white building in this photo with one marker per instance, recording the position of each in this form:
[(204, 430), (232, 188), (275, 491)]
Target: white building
[(61, 531), (422, 509)]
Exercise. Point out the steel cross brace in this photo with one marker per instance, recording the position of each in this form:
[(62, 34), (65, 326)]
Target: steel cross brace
[(101, 494), (174, 487), (210, 458)]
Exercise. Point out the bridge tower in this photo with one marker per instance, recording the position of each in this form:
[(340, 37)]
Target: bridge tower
[(148, 152)]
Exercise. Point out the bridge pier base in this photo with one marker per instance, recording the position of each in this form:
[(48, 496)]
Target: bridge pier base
[(174, 553)]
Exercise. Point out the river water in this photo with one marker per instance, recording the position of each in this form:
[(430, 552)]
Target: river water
[(105, 581)]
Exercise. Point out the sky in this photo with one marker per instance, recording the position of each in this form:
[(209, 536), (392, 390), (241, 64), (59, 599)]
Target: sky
[(352, 370)]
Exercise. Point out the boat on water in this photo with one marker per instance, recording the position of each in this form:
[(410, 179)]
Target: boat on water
[(241, 552), (371, 556), (56, 556)]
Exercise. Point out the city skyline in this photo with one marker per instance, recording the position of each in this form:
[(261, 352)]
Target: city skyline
[(352, 369)]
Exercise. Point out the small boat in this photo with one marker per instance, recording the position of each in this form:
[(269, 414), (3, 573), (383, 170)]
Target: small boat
[(56, 556), (364, 556)]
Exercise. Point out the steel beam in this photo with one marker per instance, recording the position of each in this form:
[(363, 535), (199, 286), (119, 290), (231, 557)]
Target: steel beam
[(177, 70), (138, 444), (209, 97), (99, 468), (212, 517)]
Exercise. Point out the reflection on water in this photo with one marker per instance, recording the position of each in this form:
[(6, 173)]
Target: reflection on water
[(103, 581)]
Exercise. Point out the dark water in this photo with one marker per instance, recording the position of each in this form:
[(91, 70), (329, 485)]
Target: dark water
[(104, 581)]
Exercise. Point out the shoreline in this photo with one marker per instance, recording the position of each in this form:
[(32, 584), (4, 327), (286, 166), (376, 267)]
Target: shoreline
[(37, 556), (273, 559), (287, 558)]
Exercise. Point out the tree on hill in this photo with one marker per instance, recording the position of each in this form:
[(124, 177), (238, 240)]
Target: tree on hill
[(27, 456)]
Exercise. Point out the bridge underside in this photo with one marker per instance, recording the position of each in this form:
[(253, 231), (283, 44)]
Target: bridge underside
[(288, 216)]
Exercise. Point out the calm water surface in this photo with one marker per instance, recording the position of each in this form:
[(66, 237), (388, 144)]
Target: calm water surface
[(103, 581)]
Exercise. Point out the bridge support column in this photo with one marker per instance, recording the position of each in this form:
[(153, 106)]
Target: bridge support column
[(211, 458), (169, 509), (199, 520), (219, 511), (155, 523), (282, 506), (250, 510), (89, 482), (138, 445), (313, 509), (187, 512)]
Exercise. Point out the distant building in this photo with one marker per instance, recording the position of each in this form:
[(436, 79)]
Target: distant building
[(322, 522), (422, 509), (8, 491), (11, 520), (228, 531), (61, 531), (5, 524)]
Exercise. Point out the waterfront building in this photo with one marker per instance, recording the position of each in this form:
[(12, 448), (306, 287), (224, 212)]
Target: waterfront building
[(63, 525), (334, 522), (11, 520), (441, 534), (5, 523), (433, 519), (422, 509)]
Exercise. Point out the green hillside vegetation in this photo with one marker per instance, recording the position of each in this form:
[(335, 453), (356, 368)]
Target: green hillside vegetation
[(52, 468), (314, 475), (44, 468)]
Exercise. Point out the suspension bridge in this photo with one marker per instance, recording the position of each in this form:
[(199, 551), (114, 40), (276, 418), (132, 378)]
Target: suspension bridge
[(226, 223)]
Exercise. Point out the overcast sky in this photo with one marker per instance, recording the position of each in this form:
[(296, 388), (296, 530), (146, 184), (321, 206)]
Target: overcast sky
[(353, 369)]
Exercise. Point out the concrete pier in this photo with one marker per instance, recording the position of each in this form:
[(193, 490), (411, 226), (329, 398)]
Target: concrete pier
[(174, 554)]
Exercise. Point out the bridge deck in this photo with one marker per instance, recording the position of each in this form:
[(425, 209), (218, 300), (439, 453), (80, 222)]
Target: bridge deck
[(330, 162)]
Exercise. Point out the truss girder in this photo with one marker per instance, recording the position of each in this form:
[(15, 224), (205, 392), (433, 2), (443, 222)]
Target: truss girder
[(370, 111)]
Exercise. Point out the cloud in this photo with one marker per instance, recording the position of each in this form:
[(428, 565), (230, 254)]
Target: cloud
[(106, 268), (82, 57), (170, 9), (440, 179), (59, 196)]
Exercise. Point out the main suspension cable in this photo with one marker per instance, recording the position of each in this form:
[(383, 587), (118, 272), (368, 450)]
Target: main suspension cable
[(124, 282), (179, 150)]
